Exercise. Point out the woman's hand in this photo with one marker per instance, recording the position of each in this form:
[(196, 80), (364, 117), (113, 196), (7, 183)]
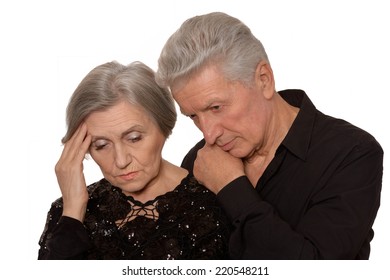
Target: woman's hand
[(70, 176)]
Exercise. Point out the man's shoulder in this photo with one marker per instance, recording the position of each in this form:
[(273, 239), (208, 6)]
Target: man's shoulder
[(345, 134), (188, 161)]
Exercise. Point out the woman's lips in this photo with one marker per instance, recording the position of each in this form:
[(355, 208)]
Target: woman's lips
[(129, 176)]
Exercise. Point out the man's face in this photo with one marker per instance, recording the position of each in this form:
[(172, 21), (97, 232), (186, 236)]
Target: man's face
[(229, 114)]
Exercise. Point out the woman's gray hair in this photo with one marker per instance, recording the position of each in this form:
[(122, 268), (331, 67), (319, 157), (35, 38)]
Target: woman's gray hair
[(211, 39), (112, 82)]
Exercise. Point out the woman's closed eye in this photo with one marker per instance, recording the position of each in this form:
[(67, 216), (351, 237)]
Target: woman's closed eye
[(134, 137), (99, 144)]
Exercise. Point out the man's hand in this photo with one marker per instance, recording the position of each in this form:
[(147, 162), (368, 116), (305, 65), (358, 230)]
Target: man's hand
[(216, 168)]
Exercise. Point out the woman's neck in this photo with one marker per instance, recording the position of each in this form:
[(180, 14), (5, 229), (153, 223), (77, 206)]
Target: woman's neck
[(167, 179)]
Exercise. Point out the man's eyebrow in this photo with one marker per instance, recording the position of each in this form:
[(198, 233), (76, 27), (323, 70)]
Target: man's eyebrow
[(205, 106), (210, 104)]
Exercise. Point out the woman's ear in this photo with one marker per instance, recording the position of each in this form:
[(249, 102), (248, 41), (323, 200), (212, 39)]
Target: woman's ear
[(264, 77)]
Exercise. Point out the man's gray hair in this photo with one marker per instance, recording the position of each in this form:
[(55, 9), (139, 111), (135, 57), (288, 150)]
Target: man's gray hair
[(211, 39)]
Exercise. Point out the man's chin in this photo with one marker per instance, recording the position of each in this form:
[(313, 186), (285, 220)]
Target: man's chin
[(238, 154)]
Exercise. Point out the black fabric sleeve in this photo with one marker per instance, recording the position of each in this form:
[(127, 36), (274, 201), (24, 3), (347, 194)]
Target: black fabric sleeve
[(188, 161), (336, 225), (258, 232), (63, 238)]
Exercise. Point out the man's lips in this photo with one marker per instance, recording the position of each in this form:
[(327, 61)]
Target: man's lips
[(227, 146)]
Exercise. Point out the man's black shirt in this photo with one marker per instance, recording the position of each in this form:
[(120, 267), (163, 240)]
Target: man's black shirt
[(317, 199)]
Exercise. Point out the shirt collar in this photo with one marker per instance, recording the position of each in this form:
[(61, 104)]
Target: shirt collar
[(298, 138)]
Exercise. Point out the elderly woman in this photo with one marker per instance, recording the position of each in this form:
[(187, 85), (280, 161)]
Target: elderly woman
[(144, 207)]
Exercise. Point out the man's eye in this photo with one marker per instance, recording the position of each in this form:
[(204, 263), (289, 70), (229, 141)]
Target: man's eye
[(215, 108), (192, 116)]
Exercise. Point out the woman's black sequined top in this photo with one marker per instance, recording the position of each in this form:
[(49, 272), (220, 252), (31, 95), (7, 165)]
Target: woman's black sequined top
[(184, 223)]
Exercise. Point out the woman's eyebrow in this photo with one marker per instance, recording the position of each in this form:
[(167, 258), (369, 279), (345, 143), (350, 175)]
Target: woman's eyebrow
[(95, 138), (137, 127), (132, 128)]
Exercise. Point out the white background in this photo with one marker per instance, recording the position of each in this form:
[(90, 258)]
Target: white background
[(337, 51)]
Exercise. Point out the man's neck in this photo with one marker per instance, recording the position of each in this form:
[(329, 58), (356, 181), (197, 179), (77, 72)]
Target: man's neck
[(284, 116)]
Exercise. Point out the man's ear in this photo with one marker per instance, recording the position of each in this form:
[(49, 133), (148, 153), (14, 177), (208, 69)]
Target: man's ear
[(264, 78)]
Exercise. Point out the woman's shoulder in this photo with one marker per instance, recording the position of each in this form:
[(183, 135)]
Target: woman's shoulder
[(190, 193), (192, 185), (100, 187)]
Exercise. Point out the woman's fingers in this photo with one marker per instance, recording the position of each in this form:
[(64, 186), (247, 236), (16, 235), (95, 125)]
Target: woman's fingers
[(70, 176), (77, 146)]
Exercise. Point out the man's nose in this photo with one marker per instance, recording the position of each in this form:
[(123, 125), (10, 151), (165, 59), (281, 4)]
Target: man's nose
[(211, 130)]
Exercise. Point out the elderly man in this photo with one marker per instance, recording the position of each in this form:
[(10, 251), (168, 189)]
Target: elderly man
[(295, 183)]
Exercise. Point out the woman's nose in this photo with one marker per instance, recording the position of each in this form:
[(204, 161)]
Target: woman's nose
[(122, 157)]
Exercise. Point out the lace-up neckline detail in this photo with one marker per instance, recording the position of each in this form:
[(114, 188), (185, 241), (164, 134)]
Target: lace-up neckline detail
[(139, 209)]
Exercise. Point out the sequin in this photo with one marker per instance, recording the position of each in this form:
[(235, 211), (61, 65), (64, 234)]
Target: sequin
[(180, 224)]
